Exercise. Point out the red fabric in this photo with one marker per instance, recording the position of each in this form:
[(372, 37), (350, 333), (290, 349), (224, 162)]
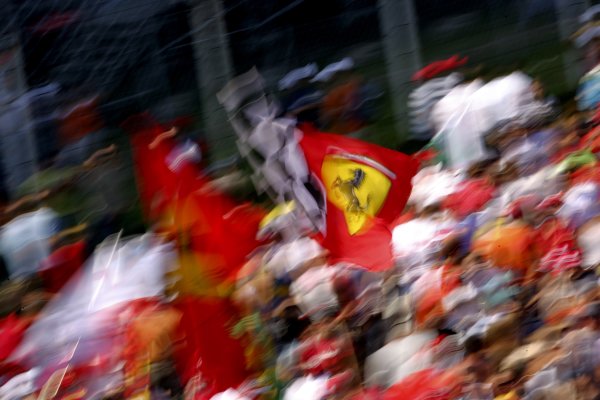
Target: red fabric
[(61, 265), (439, 67), (183, 121), (591, 140), (558, 245), (157, 183), (426, 155), (206, 346), (588, 173), (470, 197), (369, 248), (12, 330), (321, 356), (424, 385), (553, 233), (218, 229), (550, 202), (213, 228), (207, 222)]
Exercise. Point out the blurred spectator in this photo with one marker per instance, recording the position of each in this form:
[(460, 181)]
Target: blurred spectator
[(350, 101), (434, 82), (301, 98)]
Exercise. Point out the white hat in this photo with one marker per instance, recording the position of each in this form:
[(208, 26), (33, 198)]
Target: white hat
[(329, 71), (590, 14), (296, 75)]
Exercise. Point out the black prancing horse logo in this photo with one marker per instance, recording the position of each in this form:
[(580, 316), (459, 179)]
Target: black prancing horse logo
[(348, 189)]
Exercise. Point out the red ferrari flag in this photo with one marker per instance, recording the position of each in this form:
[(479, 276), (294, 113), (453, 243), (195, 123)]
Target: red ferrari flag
[(366, 187)]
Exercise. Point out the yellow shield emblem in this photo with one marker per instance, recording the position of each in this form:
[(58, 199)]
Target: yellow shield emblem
[(358, 189)]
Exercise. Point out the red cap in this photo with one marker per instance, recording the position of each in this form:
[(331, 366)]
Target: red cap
[(438, 67)]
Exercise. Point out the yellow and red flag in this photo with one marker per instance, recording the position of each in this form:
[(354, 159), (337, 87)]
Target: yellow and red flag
[(366, 187)]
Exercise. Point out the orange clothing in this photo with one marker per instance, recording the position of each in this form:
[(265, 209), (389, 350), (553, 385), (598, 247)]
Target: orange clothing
[(509, 246)]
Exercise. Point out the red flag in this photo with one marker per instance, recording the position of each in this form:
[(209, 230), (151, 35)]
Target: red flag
[(12, 329), (207, 347), (370, 249), (215, 233), (60, 266), (366, 187)]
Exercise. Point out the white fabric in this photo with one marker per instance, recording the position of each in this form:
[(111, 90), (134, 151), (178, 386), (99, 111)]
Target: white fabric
[(461, 126), (458, 296), (589, 243), (542, 184), (482, 325), (423, 99), (293, 159), (398, 359), (329, 71), (542, 380), (276, 176), (290, 256), (504, 98), (24, 241), (314, 292), (20, 386), (119, 272), (453, 104), (432, 185), (472, 109), (310, 204), (306, 388), (296, 75), (590, 14), (579, 199), (416, 363), (526, 154), (266, 140), (229, 394), (187, 152), (416, 242), (281, 172)]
